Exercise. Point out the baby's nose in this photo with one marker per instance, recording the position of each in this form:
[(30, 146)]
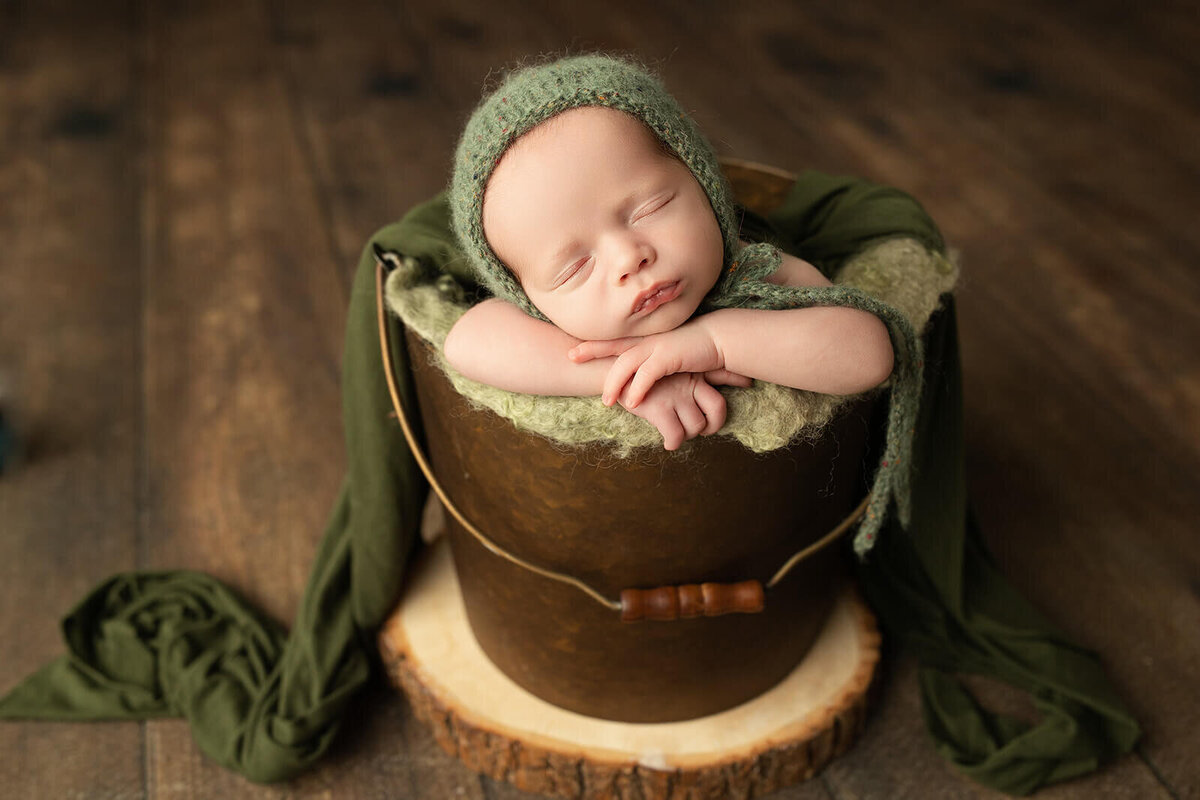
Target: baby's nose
[(632, 268), (631, 261)]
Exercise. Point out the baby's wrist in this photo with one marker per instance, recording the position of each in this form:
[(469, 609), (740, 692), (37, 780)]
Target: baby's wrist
[(712, 326)]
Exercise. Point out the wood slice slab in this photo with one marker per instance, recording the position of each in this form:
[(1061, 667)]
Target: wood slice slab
[(497, 728)]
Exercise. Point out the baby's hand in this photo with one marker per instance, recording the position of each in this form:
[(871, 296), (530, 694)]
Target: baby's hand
[(643, 361), (682, 407)]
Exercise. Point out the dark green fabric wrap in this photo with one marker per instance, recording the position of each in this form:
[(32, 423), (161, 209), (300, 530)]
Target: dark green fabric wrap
[(267, 704), (936, 586), (181, 644)]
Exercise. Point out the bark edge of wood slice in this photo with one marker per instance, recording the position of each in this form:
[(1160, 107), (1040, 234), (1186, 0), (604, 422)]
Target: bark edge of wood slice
[(784, 736)]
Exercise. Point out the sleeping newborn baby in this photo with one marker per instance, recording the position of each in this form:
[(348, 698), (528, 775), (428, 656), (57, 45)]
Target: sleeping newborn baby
[(597, 216)]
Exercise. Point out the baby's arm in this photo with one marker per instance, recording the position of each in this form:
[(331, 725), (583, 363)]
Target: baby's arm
[(496, 343), (833, 350)]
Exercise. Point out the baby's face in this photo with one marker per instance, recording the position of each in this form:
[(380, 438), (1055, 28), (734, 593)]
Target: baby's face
[(608, 235)]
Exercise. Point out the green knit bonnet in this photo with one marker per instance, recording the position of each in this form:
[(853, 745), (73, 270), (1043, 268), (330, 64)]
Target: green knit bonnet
[(530, 96)]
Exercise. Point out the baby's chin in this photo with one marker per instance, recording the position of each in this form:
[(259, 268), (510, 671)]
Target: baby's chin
[(643, 327), (666, 318)]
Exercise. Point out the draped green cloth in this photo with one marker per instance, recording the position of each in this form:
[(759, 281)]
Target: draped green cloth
[(267, 703)]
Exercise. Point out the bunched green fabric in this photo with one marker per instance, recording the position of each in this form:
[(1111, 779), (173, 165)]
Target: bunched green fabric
[(259, 701), (268, 704)]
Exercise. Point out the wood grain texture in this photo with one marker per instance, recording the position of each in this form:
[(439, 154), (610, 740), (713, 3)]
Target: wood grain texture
[(495, 727), (69, 338), (184, 189), (243, 310)]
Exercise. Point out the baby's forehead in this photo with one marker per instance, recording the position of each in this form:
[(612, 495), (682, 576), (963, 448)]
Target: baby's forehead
[(585, 158), (579, 136), (624, 130)]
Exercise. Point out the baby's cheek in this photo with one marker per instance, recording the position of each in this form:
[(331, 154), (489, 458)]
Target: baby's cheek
[(578, 322)]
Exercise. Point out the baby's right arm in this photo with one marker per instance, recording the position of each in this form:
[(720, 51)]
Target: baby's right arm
[(496, 343)]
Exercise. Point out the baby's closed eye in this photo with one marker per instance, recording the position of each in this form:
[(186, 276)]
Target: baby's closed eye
[(652, 205), (578, 270)]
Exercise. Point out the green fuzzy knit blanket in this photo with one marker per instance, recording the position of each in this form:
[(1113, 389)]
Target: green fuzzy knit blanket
[(900, 272)]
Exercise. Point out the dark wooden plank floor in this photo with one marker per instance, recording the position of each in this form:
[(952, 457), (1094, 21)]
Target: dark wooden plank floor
[(184, 188)]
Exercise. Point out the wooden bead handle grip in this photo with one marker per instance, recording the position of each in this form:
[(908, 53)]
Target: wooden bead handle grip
[(691, 600)]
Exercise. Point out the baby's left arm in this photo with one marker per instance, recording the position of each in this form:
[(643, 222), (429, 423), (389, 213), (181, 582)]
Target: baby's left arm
[(827, 349)]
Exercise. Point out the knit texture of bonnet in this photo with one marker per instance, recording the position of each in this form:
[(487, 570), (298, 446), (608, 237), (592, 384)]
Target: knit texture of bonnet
[(530, 96)]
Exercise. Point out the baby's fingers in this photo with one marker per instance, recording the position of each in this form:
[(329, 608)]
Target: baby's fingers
[(671, 428), (628, 367), (614, 384), (712, 403), (641, 384), (693, 419), (600, 348)]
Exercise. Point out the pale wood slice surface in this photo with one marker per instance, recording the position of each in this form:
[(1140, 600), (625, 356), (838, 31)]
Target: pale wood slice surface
[(498, 729)]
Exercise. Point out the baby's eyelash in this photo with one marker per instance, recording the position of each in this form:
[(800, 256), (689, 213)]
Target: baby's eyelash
[(573, 270), (652, 206)]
